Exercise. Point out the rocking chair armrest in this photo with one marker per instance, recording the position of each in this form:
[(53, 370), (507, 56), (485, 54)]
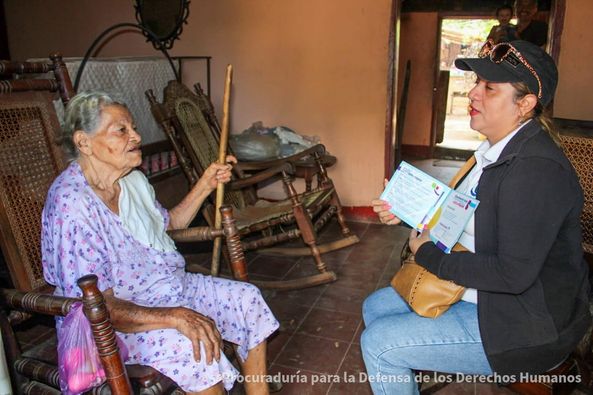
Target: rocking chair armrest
[(250, 166), (37, 302), (255, 178), (197, 233)]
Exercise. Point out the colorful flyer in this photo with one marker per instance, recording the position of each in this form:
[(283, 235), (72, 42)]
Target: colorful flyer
[(423, 202), (413, 195), (447, 225)]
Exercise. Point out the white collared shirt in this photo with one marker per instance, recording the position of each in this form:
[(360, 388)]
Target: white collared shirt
[(485, 155)]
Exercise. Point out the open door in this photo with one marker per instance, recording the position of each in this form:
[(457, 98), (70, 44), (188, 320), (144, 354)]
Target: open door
[(459, 37)]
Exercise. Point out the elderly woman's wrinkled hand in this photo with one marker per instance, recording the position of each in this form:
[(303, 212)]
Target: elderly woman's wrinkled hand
[(216, 173), (199, 328), (417, 239)]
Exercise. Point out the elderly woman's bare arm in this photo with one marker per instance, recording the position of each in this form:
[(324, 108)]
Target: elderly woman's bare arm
[(129, 317), (182, 214)]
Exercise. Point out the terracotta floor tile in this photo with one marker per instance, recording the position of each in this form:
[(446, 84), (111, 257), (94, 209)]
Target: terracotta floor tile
[(340, 298), (356, 338), (300, 382), (302, 297), (339, 257), (332, 230), (272, 266), (275, 345), (371, 251), (385, 279), (330, 324), (305, 267), (359, 280), (373, 266), (352, 375), (491, 389), (458, 389), (313, 353), (358, 228), (353, 363), (350, 388), (290, 315)]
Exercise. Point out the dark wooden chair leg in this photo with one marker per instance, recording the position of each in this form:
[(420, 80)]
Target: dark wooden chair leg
[(335, 200), (96, 311), (304, 223), (233, 243), (11, 350)]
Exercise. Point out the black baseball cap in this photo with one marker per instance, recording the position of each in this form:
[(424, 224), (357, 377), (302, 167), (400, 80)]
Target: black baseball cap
[(512, 69)]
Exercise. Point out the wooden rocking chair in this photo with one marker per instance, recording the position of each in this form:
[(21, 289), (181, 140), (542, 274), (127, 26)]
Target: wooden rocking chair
[(191, 127), (29, 162)]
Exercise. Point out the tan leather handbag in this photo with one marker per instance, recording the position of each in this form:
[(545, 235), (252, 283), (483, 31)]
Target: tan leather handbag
[(428, 295)]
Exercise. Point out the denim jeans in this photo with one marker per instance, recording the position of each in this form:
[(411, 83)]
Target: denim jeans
[(397, 341)]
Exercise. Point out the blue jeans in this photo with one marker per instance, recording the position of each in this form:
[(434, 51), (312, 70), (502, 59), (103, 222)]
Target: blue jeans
[(397, 341)]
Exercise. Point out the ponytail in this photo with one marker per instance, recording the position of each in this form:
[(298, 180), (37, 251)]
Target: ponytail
[(538, 113)]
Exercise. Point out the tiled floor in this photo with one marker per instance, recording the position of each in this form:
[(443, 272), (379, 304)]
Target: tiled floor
[(317, 348)]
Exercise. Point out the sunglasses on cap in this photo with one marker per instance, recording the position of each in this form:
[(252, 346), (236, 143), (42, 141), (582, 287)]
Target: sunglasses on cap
[(506, 52)]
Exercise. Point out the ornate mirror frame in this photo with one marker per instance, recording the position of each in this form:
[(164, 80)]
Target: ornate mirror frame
[(164, 18)]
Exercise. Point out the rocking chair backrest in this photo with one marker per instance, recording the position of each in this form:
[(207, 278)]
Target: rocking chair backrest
[(203, 143), (579, 151), (29, 162), (13, 75)]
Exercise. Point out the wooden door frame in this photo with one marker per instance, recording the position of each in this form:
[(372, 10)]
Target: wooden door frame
[(392, 81)]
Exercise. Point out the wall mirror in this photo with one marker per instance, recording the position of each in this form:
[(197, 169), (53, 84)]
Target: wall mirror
[(164, 18)]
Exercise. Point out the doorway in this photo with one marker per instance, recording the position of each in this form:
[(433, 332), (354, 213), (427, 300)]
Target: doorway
[(459, 38)]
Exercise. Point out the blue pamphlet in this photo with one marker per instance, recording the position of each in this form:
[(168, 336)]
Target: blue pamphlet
[(423, 202)]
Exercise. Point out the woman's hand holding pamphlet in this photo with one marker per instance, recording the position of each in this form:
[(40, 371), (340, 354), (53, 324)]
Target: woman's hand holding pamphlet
[(423, 202)]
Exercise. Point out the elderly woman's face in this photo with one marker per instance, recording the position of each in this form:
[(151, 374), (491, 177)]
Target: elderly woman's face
[(493, 109), (116, 142)]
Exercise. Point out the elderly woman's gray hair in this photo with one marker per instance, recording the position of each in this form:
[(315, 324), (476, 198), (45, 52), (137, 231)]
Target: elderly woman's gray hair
[(83, 113)]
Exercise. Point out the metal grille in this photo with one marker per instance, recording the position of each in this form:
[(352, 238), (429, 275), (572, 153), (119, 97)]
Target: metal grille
[(202, 141), (579, 151), (27, 169)]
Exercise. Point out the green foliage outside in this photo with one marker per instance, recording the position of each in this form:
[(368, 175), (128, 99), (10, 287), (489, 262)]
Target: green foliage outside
[(469, 29)]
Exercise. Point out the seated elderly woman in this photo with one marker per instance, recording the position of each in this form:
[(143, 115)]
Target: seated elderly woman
[(101, 217), (525, 305)]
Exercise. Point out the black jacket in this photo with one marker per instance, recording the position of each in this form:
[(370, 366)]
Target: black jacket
[(528, 267)]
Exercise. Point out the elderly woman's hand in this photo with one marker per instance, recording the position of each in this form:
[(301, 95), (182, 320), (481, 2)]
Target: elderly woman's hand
[(199, 328), (416, 240), (216, 173)]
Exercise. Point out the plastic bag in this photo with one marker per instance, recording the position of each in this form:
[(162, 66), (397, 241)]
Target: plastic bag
[(80, 366), (262, 143), (253, 147)]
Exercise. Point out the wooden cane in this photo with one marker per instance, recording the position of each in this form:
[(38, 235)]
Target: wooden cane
[(224, 138)]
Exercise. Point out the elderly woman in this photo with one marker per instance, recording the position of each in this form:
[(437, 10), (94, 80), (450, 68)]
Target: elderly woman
[(526, 301), (101, 217)]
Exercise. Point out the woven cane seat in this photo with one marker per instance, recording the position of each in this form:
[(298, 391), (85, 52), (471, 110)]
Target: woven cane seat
[(579, 151), (31, 161), (264, 210)]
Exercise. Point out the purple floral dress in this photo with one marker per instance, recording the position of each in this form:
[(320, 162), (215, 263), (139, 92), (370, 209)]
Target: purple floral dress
[(80, 235)]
